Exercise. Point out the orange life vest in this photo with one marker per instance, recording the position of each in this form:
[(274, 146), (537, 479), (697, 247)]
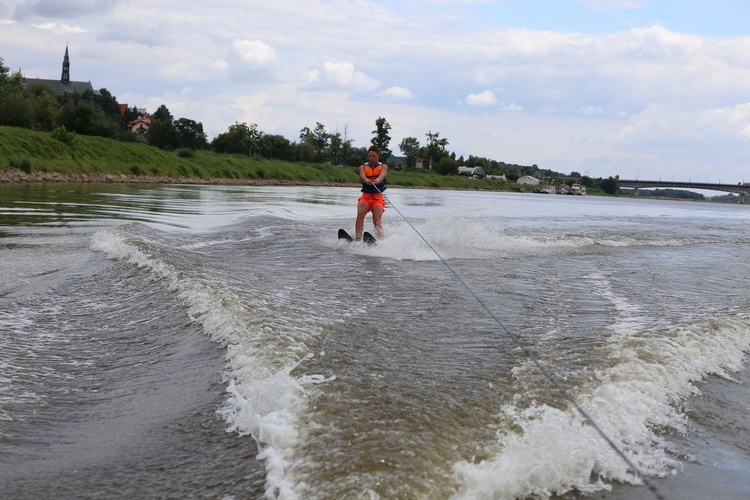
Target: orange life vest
[(372, 173)]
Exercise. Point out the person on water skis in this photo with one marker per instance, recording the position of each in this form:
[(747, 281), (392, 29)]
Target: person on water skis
[(373, 175)]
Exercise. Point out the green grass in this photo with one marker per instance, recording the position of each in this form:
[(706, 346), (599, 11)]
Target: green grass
[(42, 152)]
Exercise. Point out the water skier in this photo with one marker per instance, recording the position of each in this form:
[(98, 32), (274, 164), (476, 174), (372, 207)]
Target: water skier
[(373, 175)]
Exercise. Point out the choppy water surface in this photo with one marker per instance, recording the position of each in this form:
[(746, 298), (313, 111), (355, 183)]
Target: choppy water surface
[(221, 342)]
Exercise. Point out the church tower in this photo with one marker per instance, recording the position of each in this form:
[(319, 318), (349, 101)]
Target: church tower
[(63, 86), (65, 80)]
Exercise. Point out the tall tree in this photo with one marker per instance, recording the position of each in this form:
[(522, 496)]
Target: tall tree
[(304, 152), (162, 134), (335, 149), (86, 118), (108, 103), (190, 134), (382, 139), (17, 106), (319, 139), (162, 113), (4, 72), (340, 146), (131, 114), (410, 148), (447, 165), (46, 109), (240, 138), (436, 147), (354, 156), (275, 146)]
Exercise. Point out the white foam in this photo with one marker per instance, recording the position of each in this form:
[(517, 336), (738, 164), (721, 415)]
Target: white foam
[(264, 399), (458, 238), (557, 451), (456, 233), (627, 317), (452, 237)]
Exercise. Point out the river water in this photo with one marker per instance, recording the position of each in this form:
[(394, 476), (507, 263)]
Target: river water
[(220, 342)]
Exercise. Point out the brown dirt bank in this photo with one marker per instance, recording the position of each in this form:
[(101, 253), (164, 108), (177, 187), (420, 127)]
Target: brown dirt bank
[(16, 176)]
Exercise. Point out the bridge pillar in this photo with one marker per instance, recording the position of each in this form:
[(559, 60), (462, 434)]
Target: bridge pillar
[(635, 192), (742, 198)]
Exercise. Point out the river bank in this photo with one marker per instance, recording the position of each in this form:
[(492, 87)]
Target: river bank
[(16, 176)]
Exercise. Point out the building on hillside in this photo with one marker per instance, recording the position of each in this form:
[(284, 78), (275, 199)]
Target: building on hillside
[(495, 177), (64, 86), (473, 172), (140, 125), (528, 180)]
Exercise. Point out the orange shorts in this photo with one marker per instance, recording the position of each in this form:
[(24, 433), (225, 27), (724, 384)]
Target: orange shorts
[(373, 200)]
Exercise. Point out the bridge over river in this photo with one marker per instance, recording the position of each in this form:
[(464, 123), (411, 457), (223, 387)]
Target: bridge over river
[(741, 189)]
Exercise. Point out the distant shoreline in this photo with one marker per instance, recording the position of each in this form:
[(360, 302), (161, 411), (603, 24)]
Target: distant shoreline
[(15, 176)]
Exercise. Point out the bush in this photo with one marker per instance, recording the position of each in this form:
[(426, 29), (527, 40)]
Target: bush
[(61, 134), (136, 170), (185, 153), (23, 164)]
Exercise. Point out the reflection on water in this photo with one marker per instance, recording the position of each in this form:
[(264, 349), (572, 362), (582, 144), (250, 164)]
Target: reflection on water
[(66, 203), (177, 206), (62, 204)]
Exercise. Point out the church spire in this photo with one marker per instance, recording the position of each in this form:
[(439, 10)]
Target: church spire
[(65, 80)]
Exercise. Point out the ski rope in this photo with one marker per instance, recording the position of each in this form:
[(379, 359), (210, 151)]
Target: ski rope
[(520, 344)]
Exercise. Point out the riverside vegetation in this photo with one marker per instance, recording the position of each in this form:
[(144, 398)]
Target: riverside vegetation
[(80, 147), (60, 156), (30, 156)]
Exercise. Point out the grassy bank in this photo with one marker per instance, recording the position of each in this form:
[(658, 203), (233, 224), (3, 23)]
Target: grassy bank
[(39, 152), (77, 156)]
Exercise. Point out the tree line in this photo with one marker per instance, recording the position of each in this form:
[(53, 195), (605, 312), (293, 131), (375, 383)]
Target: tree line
[(99, 114)]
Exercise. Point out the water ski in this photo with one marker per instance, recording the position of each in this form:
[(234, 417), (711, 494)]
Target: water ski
[(366, 237)]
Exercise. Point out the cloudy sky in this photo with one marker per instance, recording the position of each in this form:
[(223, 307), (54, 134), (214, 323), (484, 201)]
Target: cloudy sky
[(647, 89)]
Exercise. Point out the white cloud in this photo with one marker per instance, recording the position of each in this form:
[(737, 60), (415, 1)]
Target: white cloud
[(396, 93), (591, 111), (60, 29), (511, 106), (486, 98), (345, 75), (66, 9), (220, 65), (614, 4), (254, 53), (311, 75), (660, 124)]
